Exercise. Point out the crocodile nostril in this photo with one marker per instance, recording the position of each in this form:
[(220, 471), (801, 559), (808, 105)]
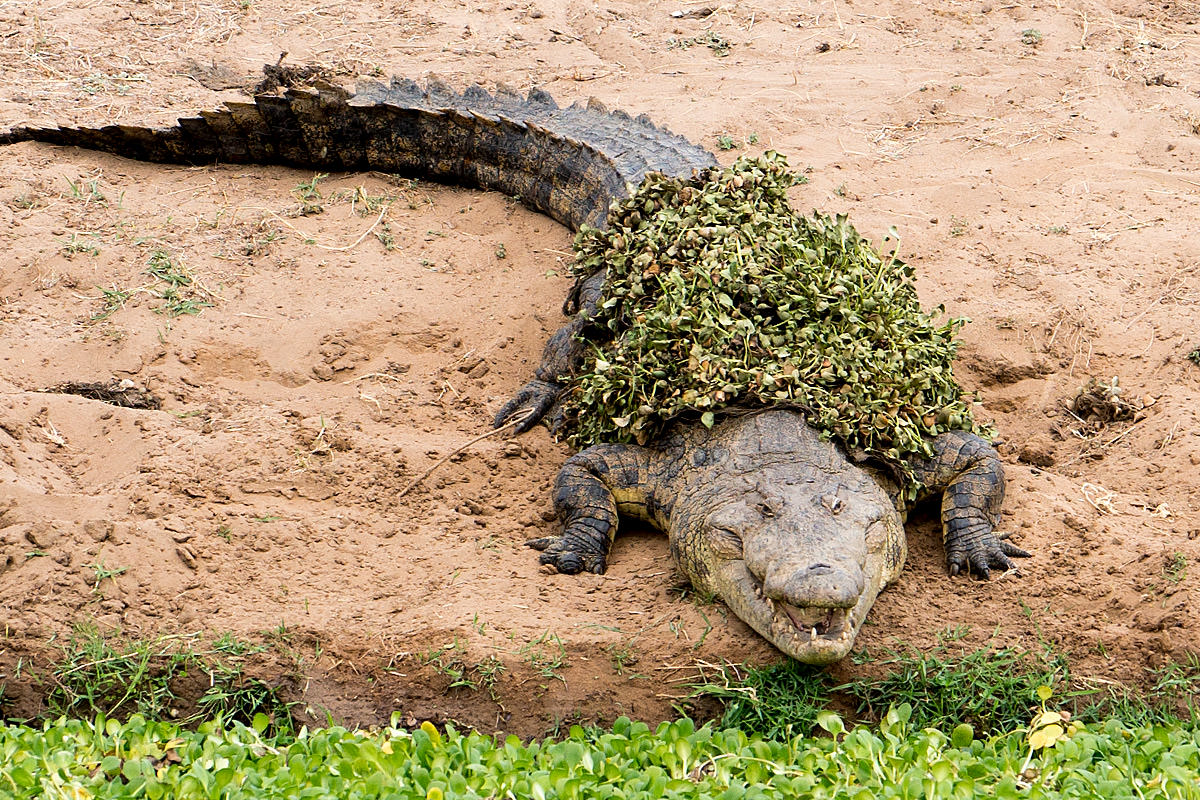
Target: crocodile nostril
[(820, 569)]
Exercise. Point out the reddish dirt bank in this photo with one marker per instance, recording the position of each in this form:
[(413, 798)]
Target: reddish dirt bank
[(1038, 161)]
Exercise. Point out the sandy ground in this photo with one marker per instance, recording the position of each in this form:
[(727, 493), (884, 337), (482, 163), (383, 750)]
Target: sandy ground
[(1037, 160)]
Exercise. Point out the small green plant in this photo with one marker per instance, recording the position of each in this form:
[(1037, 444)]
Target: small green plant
[(1175, 568), (86, 190), (776, 701), (182, 294), (104, 573), (623, 656), (546, 655), (719, 45), (726, 142), (958, 226), (501, 251), (840, 190), (73, 244), (309, 195), (386, 237), (1194, 356), (1031, 37), (24, 202), (114, 300)]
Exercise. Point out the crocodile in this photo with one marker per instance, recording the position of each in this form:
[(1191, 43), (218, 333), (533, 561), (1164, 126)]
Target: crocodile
[(792, 535)]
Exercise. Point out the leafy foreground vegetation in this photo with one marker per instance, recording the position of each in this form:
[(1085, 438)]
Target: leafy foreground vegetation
[(1049, 758), (994, 691), (165, 677)]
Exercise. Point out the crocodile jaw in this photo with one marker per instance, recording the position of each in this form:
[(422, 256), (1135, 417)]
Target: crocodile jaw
[(813, 634)]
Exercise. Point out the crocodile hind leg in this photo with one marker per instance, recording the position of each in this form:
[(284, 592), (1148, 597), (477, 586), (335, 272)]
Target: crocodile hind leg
[(590, 489), (970, 475)]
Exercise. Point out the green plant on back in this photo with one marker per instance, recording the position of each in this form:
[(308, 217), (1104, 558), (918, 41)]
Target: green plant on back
[(717, 295)]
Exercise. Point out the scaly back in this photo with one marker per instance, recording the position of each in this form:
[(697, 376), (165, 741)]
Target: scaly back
[(568, 163)]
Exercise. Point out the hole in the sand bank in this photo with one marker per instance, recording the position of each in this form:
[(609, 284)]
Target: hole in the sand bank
[(123, 393)]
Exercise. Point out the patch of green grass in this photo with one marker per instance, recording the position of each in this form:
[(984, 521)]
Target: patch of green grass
[(1175, 568), (114, 675), (114, 300), (776, 701), (992, 690), (1031, 37), (546, 655), (450, 662), (309, 195), (1194, 356), (73, 244), (86, 190)]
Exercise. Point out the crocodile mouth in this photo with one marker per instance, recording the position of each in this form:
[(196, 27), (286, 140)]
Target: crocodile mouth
[(812, 626), (827, 623), (813, 634)]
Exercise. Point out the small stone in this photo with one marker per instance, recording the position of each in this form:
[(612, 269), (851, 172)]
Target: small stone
[(1038, 451), (322, 372), (186, 556)]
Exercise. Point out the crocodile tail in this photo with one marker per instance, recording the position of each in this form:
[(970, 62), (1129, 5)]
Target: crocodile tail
[(568, 163)]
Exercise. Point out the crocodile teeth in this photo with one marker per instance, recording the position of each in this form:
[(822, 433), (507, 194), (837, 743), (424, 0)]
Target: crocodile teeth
[(813, 635)]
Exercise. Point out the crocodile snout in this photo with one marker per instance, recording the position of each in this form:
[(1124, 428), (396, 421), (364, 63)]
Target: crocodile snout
[(818, 584)]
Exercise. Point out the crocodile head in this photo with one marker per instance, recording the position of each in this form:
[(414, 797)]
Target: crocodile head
[(801, 558)]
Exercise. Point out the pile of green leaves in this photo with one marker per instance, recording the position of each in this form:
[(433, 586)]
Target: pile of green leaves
[(719, 294), (1050, 758)]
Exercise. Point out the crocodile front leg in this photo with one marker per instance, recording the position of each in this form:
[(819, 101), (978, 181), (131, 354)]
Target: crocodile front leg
[(971, 475), (560, 358), (591, 489)]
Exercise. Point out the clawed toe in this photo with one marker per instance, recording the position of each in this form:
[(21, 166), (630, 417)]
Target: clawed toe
[(568, 562)]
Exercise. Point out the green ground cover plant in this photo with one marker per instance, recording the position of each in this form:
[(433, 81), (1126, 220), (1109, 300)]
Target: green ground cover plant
[(158, 678), (1048, 758), (992, 690)]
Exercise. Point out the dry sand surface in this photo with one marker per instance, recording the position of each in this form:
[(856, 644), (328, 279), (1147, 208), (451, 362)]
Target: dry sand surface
[(1036, 158)]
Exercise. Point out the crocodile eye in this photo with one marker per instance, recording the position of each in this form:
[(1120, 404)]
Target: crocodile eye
[(725, 542), (765, 509), (833, 503)]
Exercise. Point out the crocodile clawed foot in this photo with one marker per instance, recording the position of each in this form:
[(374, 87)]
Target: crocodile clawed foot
[(558, 553), (982, 554), (529, 404)]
